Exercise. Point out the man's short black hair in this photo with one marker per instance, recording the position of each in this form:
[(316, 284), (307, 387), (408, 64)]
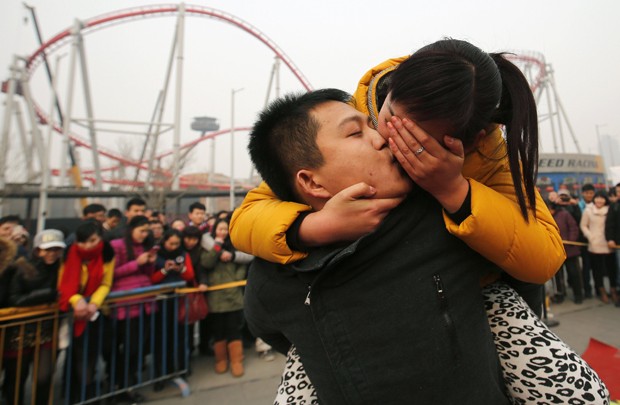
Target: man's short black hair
[(13, 219), (588, 187), (283, 139), (86, 229), (197, 206), (135, 201), (115, 213), (93, 209), (192, 232)]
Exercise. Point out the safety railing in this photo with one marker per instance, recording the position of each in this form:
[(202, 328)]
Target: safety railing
[(137, 339), (28, 337)]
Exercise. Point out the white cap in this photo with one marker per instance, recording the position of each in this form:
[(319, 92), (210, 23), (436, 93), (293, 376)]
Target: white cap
[(49, 238)]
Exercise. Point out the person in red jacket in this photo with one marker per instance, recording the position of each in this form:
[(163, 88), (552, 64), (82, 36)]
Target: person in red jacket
[(84, 284)]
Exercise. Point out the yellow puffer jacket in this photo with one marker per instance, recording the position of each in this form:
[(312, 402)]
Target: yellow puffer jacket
[(531, 252)]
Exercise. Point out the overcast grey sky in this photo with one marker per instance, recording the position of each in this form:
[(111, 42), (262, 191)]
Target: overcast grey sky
[(332, 42)]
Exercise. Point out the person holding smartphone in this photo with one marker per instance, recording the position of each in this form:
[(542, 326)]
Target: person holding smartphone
[(135, 264)]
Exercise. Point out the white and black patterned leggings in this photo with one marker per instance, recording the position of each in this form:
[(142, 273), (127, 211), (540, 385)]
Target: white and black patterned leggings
[(537, 366)]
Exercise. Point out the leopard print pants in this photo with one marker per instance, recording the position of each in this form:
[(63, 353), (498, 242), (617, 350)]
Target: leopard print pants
[(538, 368)]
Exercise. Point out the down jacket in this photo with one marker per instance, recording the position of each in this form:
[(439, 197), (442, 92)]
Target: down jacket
[(531, 252), (128, 275)]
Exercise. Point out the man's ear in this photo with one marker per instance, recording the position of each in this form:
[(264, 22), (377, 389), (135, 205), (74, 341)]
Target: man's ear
[(308, 185)]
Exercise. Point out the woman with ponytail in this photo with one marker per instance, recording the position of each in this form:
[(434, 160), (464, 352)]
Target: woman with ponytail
[(452, 104), (463, 125), (85, 282)]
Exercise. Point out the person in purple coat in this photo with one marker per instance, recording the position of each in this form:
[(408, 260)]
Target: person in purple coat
[(569, 230), (135, 264)]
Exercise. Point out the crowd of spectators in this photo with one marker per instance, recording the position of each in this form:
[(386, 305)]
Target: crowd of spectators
[(590, 226), (112, 251)]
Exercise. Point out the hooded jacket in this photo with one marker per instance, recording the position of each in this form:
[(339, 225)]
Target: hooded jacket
[(531, 252)]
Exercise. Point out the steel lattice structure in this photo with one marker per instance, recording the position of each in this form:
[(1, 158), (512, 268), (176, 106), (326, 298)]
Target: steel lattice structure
[(550, 109), (73, 35)]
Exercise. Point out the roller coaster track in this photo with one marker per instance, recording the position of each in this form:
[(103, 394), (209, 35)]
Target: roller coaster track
[(140, 13)]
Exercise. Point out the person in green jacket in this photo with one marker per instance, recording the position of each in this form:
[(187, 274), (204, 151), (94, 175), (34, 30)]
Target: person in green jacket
[(226, 305)]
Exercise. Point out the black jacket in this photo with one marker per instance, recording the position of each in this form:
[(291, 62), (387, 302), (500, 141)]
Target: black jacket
[(7, 256), (395, 318), (612, 223), (34, 283)]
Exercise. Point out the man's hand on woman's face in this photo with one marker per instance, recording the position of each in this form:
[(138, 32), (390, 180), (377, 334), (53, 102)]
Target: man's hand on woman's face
[(348, 215)]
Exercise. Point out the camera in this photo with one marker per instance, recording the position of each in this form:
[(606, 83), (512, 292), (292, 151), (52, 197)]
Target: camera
[(564, 197)]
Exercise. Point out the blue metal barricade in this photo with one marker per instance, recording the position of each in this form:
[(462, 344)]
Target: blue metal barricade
[(128, 346), (137, 339), (28, 337)]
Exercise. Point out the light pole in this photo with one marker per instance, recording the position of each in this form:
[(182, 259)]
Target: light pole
[(598, 137), (600, 148), (232, 147), (204, 125)]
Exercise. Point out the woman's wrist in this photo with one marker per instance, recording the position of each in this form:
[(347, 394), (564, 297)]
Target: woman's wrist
[(316, 229), (452, 198)]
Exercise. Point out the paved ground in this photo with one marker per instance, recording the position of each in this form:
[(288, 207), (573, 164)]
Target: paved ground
[(578, 323)]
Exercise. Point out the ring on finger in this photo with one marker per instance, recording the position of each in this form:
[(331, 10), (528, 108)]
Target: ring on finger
[(418, 151)]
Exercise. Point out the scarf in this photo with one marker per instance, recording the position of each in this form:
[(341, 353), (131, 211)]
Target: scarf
[(72, 275)]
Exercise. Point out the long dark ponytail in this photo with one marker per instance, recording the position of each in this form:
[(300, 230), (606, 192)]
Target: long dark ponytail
[(454, 80), (517, 111)]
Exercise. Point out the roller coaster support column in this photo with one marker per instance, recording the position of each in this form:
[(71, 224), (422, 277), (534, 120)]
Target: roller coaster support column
[(275, 73), (178, 96), (89, 105), (45, 180), (149, 133), (211, 200), (6, 124), (37, 139), (562, 112), (232, 148), (69, 106), (551, 114), (26, 147), (162, 102)]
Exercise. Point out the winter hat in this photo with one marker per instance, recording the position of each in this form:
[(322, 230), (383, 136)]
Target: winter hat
[(49, 238)]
